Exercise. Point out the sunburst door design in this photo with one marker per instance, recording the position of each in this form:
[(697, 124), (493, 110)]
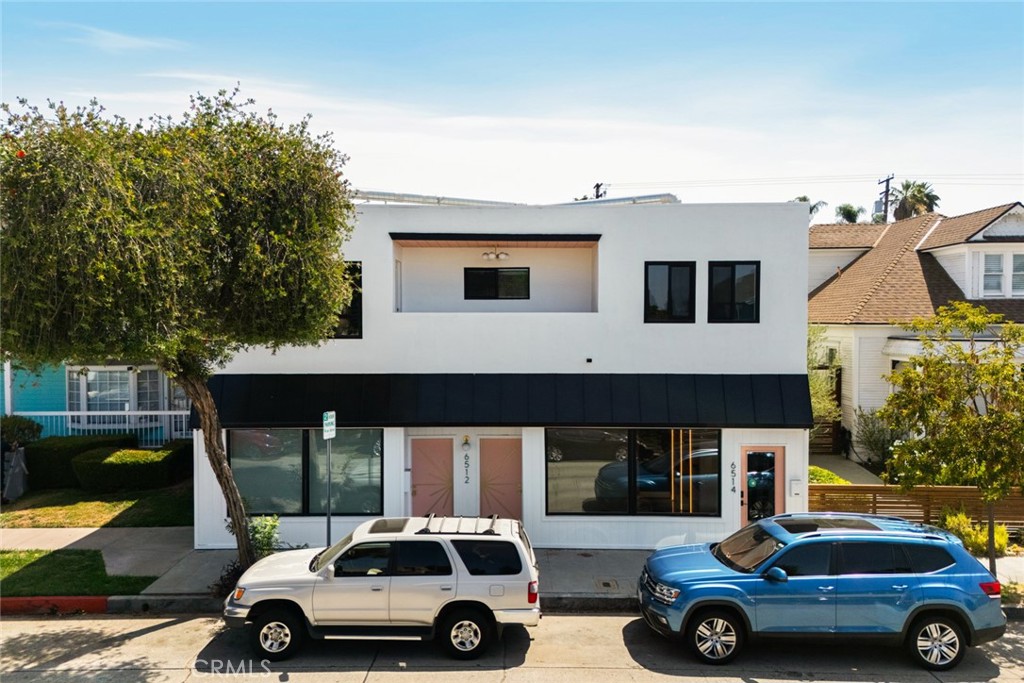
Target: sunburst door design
[(432, 477), (501, 477)]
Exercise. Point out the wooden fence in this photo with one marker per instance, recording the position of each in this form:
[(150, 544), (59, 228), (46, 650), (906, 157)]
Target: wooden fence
[(923, 504)]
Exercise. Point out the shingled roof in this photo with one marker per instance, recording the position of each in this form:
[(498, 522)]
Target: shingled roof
[(959, 229), (895, 281), (845, 235)]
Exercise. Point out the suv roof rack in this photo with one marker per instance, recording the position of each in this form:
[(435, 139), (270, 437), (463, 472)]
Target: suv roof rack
[(459, 529)]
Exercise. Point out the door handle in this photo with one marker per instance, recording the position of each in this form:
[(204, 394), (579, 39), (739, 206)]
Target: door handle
[(376, 589), (902, 587), (446, 588), (826, 589)]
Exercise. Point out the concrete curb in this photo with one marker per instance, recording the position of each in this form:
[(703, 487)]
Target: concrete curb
[(164, 604), (588, 604), (55, 604)]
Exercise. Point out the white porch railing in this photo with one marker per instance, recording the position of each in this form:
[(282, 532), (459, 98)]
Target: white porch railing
[(153, 428)]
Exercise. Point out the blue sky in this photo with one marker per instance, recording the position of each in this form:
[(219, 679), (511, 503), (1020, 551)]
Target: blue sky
[(535, 102)]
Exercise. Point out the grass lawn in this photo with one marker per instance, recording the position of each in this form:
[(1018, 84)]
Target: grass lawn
[(27, 573), (171, 506)]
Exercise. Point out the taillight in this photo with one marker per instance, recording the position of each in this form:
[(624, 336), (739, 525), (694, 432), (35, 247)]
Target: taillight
[(992, 588), (531, 592)]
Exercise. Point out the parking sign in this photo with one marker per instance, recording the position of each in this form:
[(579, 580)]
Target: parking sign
[(329, 424)]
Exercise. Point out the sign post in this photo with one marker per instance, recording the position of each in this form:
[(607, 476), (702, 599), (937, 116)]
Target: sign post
[(329, 429)]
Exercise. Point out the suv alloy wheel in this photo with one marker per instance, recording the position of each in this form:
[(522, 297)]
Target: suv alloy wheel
[(276, 634), (466, 633), (715, 636), (936, 643)]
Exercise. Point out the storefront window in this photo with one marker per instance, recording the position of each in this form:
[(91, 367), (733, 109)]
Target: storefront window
[(284, 471), (646, 471)]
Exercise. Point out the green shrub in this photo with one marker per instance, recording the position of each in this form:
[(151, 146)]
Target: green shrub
[(49, 460), (263, 532), (16, 430), (974, 536), (819, 475), (875, 439), (117, 469)]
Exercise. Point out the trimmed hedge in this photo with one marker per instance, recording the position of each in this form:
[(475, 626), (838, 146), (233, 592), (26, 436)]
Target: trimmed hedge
[(115, 469), (49, 460)]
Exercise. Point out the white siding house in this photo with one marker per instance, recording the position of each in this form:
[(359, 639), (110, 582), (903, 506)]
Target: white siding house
[(616, 376), (911, 268)]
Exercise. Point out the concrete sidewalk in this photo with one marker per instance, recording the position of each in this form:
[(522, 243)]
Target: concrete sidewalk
[(572, 580)]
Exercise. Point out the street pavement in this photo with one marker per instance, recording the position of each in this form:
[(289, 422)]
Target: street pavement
[(563, 649)]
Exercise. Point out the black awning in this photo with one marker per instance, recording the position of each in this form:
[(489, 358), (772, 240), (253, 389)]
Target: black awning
[(522, 400)]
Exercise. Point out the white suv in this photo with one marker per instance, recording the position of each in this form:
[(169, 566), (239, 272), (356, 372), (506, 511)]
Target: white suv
[(459, 578)]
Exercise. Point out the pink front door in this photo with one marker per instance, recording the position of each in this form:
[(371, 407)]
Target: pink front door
[(501, 477), (432, 483)]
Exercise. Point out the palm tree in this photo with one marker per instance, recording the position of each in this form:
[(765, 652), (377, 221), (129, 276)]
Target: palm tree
[(848, 213), (815, 206), (912, 198)]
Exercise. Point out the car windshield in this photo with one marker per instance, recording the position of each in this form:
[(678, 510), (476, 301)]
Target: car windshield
[(326, 555), (747, 549)]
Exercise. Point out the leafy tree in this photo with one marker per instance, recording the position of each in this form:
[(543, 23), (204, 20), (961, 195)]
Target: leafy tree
[(913, 198), (848, 213), (174, 242), (815, 207), (878, 218), (822, 378), (962, 401)]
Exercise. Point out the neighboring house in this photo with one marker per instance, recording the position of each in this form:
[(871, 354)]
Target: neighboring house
[(613, 374), (101, 398), (866, 279)]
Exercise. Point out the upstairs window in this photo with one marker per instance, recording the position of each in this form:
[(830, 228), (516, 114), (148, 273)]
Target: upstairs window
[(992, 279), (669, 290), (734, 292), (350, 320), (497, 283)]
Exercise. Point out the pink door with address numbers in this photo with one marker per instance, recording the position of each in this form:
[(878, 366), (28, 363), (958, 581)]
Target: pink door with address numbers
[(432, 481), (501, 477)]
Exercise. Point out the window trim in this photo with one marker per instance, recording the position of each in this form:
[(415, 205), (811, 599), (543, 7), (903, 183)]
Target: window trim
[(497, 285), (993, 293), (1014, 292), (692, 318), (757, 290)]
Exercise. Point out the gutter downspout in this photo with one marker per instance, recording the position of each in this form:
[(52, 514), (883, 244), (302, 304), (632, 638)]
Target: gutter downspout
[(8, 389)]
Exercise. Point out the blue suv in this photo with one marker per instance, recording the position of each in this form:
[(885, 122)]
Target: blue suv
[(834, 575)]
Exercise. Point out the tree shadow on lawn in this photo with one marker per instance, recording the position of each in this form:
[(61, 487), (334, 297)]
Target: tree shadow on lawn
[(48, 656), (56, 508)]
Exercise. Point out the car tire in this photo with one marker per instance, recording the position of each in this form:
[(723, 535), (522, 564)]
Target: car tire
[(936, 643), (276, 634), (466, 633), (715, 636)]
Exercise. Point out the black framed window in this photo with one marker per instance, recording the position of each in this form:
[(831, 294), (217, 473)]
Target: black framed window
[(284, 471), (350, 320), (633, 471), (497, 283), (734, 292), (669, 288)]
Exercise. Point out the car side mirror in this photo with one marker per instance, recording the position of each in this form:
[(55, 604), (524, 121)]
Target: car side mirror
[(777, 574), (329, 572)]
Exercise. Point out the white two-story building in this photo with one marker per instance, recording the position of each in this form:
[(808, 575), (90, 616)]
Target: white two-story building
[(616, 375)]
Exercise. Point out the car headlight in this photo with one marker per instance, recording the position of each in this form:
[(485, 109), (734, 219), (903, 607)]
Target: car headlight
[(239, 592), (663, 593)]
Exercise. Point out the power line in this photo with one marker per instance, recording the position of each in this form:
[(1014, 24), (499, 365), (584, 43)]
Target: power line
[(994, 179)]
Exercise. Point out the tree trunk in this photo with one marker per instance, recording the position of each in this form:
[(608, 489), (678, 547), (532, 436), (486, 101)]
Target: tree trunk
[(991, 508), (209, 421)]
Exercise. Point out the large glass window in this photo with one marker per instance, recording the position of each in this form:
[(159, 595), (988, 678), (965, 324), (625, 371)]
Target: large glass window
[(284, 471), (669, 289), (350, 320), (497, 283), (120, 389), (734, 292), (634, 471), (356, 484)]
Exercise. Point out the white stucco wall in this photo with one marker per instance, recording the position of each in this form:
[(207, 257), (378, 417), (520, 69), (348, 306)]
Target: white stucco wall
[(565, 531), (954, 260), (614, 337)]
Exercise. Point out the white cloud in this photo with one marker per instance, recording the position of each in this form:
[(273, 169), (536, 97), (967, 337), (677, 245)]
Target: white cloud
[(112, 42)]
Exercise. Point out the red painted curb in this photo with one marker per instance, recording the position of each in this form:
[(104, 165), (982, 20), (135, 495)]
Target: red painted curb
[(58, 604)]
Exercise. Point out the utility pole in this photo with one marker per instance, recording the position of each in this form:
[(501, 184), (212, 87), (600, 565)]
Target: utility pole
[(885, 194)]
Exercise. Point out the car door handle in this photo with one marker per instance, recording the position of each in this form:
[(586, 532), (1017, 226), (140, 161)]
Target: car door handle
[(446, 588), (826, 589), (900, 587), (376, 589)]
